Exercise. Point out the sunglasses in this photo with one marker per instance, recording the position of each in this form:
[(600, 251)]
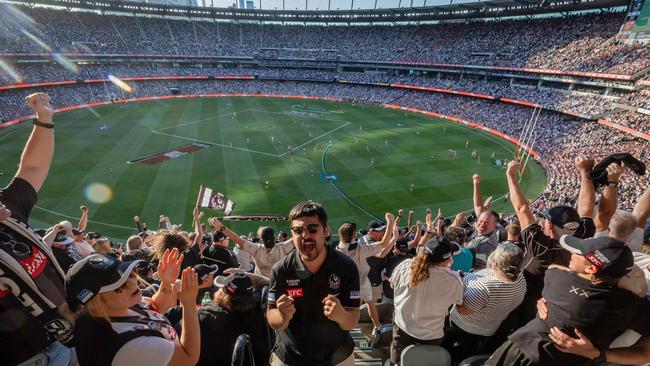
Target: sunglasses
[(311, 228), (19, 248)]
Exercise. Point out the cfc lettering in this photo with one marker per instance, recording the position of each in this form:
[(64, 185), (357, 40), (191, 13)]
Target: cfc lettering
[(294, 292)]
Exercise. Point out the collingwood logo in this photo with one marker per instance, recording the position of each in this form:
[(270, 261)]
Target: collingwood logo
[(335, 281)]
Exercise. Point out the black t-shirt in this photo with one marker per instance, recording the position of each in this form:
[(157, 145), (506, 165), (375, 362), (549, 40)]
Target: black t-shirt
[(311, 338), (224, 258), (392, 262), (601, 313), (220, 329), (22, 335), (541, 251), (66, 257)]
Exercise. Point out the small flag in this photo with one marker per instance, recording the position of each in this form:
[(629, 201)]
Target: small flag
[(214, 200)]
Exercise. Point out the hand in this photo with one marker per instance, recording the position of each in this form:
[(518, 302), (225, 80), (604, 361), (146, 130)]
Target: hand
[(161, 218), (189, 287), (40, 103), (58, 228), (476, 179), (486, 203), (459, 219), (169, 266), (195, 213), (513, 168), (580, 346), (583, 164), (232, 270), (389, 217), (136, 218), (411, 213), (418, 224), (285, 306), (332, 308), (207, 283), (429, 220), (4, 212), (83, 209), (400, 212), (542, 309), (439, 216), (215, 223), (614, 172), (200, 215)]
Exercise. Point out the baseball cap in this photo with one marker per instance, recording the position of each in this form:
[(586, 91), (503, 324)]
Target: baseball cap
[(95, 274), (440, 248), (76, 231), (236, 284), (402, 244), (204, 271), (612, 257), (94, 235), (564, 217), (376, 225), (62, 238)]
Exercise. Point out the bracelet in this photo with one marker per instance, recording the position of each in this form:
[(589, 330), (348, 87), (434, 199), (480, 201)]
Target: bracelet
[(36, 122)]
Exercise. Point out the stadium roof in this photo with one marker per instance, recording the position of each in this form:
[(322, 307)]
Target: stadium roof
[(451, 11)]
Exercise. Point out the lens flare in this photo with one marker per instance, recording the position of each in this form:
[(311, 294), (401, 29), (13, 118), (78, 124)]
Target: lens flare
[(120, 84), (70, 66), (98, 193), (36, 39), (7, 69)]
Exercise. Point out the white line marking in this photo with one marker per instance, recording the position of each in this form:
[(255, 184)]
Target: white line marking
[(217, 144), (199, 120), (93, 221), (316, 138)]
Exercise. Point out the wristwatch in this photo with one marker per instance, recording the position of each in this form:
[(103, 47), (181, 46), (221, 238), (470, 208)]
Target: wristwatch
[(36, 122), (612, 184), (602, 357)]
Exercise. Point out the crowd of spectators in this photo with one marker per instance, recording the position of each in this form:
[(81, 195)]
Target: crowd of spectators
[(573, 43)]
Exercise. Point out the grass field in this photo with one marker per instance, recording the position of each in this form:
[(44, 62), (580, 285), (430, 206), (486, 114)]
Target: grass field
[(94, 146)]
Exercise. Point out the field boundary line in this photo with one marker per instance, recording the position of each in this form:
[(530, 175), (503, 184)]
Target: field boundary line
[(77, 218), (198, 120), (217, 144)]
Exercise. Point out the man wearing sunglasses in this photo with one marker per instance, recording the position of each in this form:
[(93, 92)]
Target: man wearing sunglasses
[(314, 296), (33, 330)]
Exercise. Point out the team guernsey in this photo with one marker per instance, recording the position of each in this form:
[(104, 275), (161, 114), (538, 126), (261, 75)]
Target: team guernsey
[(311, 338)]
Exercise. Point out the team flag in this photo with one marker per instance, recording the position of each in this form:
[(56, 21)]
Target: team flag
[(214, 200)]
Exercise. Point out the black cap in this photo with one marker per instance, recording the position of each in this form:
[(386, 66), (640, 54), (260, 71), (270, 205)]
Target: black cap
[(76, 231), (564, 217), (94, 235), (218, 236), (402, 244), (267, 234), (235, 284), (376, 225), (439, 248), (95, 274), (204, 271), (612, 257)]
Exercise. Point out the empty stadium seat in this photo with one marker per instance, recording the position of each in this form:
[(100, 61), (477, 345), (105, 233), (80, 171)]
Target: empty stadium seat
[(425, 355)]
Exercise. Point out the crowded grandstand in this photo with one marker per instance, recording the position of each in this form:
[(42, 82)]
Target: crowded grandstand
[(545, 259)]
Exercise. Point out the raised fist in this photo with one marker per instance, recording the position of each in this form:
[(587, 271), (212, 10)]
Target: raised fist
[(40, 103)]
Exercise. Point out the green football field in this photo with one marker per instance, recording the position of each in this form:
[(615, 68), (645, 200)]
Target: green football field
[(240, 143)]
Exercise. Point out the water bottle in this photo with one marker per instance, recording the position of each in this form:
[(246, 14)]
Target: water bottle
[(206, 298)]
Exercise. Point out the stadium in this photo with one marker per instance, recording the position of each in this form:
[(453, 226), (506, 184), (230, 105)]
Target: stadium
[(512, 120)]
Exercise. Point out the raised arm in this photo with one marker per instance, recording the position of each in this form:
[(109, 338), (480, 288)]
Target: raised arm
[(37, 156), (519, 201), (391, 226), (477, 196), (83, 221), (587, 194), (418, 235), (642, 208), (409, 222), (608, 200), (218, 226)]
